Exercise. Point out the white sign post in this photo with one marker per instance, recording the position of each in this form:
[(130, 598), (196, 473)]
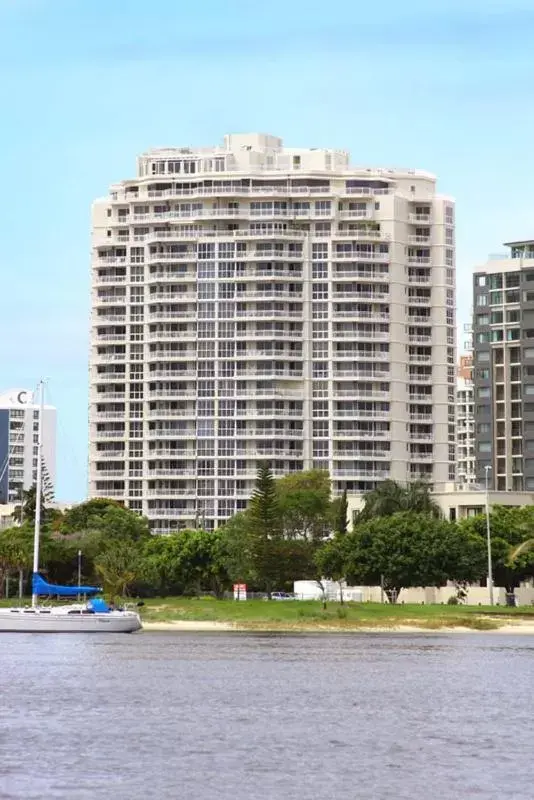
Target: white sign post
[(240, 591)]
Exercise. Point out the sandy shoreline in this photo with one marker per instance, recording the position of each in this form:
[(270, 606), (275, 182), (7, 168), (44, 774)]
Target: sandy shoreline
[(525, 628)]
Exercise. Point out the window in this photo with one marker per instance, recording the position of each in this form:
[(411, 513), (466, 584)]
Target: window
[(496, 317), (480, 280), (484, 447), (483, 393), (483, 319), (482, 300), (484, 427), (483, 374), (482, 338)]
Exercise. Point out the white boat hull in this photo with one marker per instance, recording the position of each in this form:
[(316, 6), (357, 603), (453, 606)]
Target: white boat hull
[(59, 620)]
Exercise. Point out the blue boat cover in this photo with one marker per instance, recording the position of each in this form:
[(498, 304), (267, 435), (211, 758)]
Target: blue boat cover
[(40, 586), (98, 605)]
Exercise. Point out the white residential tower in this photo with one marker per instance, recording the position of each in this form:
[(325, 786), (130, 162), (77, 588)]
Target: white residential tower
[(19, 426), (252, 302)]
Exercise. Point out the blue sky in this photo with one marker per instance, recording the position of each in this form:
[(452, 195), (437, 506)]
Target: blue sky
[(86, 85)]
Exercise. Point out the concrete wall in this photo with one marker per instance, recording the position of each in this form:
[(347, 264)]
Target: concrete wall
[(476, 595)]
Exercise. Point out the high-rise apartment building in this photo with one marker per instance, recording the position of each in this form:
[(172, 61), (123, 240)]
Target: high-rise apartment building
[(255, 303), (503, 327), (465, 431), (19, 425)]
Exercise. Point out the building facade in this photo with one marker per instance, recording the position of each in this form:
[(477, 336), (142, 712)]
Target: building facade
[(255, 303), (503, 327), (19, 425), (465, 432)]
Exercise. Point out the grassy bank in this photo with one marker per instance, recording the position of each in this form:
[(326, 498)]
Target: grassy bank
[(309, 615)]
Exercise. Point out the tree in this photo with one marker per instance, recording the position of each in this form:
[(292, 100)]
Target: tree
[(331, 561), (118, 566), (264, 511), (510, 527), (264, 525), (88, 516), (235, 550), (303, 500), (16, 548), (390, 497), (408, 549), (26, 511), (340, 513)]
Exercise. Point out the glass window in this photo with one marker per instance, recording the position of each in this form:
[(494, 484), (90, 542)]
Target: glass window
[(482, 300), (480, 280)]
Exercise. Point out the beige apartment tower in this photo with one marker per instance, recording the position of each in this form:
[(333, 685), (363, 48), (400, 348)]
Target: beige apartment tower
[(255, 303)]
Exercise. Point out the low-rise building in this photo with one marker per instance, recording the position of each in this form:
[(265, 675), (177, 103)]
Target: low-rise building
[(459, 501)]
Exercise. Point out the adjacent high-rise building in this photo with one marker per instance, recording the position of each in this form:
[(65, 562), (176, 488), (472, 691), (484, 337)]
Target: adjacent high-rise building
[(503, 327), (19, 426), (465, 431), (255, 303)]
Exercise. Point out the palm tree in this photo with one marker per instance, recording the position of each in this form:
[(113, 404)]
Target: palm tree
[(391, 497), (515, 552)]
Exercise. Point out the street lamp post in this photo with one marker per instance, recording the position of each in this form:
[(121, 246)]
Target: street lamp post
[(79, 569), (488, 536)]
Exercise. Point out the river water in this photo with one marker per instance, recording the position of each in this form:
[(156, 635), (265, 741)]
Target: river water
[(218, 716)]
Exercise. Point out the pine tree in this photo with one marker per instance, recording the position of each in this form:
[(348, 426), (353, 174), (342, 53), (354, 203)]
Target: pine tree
[(265, 529), (342, 511), (263, 508)]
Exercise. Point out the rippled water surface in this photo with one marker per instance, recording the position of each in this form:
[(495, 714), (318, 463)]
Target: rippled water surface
[(262, 716)]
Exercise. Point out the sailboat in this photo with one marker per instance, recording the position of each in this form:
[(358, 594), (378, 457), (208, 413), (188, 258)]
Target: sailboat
[(93, 616)]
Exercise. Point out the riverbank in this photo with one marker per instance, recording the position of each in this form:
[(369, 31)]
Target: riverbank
[(517, 628), (208, 614)]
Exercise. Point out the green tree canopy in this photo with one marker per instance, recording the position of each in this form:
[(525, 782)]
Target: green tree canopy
[(303, 501), (510, 526), (409, 549), (391, 497)]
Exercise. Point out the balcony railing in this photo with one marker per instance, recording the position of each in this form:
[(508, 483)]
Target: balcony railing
[(361, 414), (356, 434), (419, 279), (358, 334), (356, 255), (424, 260), (366, 454), (371, 474), (419, 239)]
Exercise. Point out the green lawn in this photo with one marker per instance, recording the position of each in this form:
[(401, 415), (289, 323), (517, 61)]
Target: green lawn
[(310, 614)]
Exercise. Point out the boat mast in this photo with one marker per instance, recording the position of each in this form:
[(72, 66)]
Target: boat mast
[(38, 487)]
